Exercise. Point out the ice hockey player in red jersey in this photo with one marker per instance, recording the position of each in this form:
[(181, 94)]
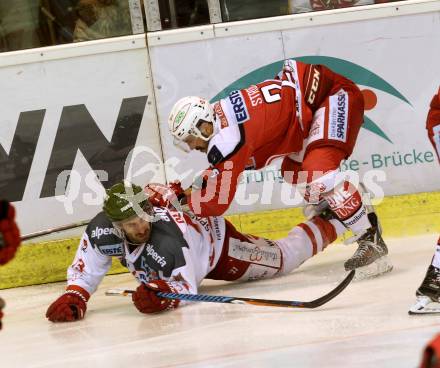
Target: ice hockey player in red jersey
[(308, 115), (428, 294), (9, 239), (170, 251)]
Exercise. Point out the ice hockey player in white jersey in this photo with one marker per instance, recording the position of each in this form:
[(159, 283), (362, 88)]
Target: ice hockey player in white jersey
[(169, 251)]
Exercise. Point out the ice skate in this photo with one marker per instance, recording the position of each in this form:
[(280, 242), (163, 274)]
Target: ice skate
[(428, 294), (370, 259)]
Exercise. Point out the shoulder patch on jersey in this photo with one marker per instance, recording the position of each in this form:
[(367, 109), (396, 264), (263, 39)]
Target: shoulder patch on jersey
[(255, 95), (111, 249), (102, 235), (225, 143), (221, 115), (215, 156), (239, 106), (239, 144)]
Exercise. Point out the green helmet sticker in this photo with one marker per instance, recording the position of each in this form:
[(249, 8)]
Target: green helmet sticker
[(179, 118), (125, 200)]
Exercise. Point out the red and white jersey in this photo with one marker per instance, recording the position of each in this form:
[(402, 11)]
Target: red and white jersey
[(181, 250), (262, 122), (433, 123)]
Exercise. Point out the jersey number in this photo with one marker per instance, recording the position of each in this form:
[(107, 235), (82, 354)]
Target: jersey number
[(271, 93)]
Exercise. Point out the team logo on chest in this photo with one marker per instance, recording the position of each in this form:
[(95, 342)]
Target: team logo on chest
[(145, 273)]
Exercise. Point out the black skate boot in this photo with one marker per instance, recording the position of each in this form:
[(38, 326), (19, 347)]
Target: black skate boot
[(428, 294), (371, 249)]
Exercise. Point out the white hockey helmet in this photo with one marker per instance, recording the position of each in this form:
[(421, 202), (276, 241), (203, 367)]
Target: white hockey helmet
[(186, 116)]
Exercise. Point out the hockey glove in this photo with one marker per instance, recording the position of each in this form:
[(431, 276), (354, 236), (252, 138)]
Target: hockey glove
[(146, 300), (161, 195), (71, 306), (9, 233)]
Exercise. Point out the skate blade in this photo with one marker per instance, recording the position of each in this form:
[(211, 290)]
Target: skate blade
[(424, 305), (378, 267)]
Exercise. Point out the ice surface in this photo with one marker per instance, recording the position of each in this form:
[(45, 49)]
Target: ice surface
[(367, 325)]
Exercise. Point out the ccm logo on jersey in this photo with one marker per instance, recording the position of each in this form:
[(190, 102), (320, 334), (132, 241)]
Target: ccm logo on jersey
[(239, 106), (153, 254), (338, 116), (314, 86)]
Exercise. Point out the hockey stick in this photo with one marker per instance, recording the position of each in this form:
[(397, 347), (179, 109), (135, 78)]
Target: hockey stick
[(236, 300), (54, 230)]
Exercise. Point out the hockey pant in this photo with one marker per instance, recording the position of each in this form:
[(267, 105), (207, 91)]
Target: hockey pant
[(246, 257)]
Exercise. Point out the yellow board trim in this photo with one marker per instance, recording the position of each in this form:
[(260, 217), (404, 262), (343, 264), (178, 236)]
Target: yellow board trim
[(400, 216)]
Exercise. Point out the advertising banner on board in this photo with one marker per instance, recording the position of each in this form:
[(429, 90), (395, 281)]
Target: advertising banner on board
[(67, 129)]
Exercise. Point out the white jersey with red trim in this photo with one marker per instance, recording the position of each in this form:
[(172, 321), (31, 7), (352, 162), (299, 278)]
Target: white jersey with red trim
[(181, 250)]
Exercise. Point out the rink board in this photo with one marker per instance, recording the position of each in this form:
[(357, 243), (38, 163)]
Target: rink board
[(84, 106), (400, 216), (367, 325)]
